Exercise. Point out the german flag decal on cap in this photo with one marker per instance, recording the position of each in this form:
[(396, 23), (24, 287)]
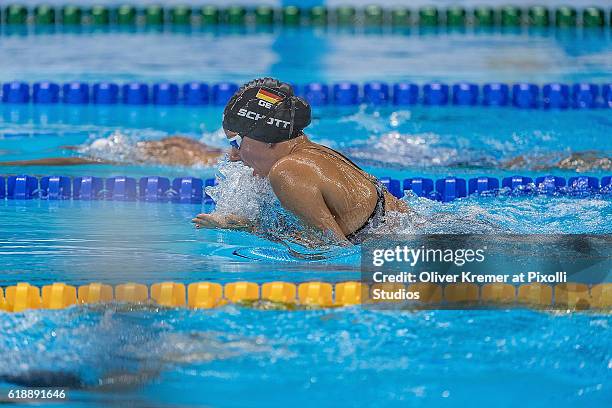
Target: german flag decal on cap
[(268, 96)]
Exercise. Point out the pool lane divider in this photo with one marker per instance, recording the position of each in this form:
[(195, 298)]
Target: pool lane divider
[(128, 15), (208, 295), (557, 96), (119, 188), (192, 189)]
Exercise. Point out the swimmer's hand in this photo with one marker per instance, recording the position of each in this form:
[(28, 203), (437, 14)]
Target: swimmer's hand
[(230, 221)]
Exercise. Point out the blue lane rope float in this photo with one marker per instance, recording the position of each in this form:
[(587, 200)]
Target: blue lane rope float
[(192, 189), (520, 95)]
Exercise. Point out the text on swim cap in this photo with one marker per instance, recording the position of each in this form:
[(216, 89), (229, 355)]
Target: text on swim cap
[(265, 104), (270, 121)]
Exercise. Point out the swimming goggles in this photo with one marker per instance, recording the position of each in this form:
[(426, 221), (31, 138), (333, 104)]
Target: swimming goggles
[(235, 142)]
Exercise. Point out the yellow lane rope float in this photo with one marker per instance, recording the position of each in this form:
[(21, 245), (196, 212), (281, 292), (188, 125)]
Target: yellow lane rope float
[(207, 295)]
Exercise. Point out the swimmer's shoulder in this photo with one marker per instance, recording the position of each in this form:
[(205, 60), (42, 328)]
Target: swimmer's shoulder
[(294, 169), (293, 164)]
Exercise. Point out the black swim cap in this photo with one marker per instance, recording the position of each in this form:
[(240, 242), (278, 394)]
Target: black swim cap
[(266, 110)]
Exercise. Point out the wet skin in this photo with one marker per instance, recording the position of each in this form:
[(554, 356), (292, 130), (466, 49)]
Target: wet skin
[(312, 182)]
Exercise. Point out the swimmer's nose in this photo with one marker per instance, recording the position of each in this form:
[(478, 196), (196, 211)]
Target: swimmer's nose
[(234, 155)]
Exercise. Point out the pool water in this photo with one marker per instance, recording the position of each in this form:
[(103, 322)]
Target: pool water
[(422, 140), (306, 54), (165, 357), (439, 358)]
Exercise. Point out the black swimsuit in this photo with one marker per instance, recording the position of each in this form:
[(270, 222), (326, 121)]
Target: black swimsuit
[(377, 217)]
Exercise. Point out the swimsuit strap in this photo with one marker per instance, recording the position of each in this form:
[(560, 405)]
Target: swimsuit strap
[(329, 151), (375, 219)]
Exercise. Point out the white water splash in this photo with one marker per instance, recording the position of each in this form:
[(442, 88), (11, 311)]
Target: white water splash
[(416, 150), (126, 145), (116, 147), (239, 192), (540, 214), (216, 138), (120, 146)]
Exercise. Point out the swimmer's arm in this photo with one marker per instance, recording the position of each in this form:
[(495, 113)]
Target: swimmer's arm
[(229, 221), (293, 185), (236, 223)]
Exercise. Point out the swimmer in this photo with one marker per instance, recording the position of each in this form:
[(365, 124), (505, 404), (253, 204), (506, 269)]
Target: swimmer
[(187, 152), (589, 160), (414, 151), (169, 151), (264, 123)]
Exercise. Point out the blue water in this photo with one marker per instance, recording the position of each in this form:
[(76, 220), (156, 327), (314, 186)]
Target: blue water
[(389, 141), (235, 356), (438, 358), (303, 55)]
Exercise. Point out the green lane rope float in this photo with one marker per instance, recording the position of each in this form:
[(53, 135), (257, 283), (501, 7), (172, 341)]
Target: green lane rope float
[(343, 16)]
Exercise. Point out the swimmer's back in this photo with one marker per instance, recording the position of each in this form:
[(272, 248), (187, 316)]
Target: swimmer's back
[(349, 193)]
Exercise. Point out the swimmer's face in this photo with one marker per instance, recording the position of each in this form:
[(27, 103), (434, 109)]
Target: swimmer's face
[(257, 155)]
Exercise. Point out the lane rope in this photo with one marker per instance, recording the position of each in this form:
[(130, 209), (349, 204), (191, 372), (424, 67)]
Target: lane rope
[(192, 189), (207, 295), (371, 16), (523, 95)]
